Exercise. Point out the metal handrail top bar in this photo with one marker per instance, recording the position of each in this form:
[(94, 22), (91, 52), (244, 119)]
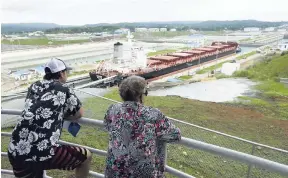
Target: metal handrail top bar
[(235, 155)]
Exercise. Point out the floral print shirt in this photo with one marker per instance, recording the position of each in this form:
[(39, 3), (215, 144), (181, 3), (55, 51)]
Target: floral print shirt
[(137, 134), (39, 129)]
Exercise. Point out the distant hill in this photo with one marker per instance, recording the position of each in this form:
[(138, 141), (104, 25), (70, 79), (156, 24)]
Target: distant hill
[(27, 27), (206, 25), (210, 25), (235, 24), (146, 24)]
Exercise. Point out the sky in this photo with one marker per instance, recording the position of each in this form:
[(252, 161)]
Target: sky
[(80, 12)]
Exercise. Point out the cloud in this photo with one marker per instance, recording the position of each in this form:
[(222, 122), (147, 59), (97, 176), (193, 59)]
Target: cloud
[(97, 11)]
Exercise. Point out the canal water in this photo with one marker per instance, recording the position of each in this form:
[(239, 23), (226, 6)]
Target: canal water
[(222, 90)]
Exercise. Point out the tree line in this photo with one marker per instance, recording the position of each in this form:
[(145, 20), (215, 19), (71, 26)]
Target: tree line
[(179, 25)]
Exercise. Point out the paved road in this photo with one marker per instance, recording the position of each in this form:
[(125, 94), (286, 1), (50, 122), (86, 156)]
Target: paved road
[(73, 54)]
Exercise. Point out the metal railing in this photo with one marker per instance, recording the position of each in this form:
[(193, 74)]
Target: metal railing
[(284, 81), (200, 159), (189, 143)]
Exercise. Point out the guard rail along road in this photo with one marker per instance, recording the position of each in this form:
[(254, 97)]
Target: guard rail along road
[(192, 144)]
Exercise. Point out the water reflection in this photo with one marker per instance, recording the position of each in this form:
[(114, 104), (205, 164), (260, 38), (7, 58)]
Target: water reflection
[(216, 91)]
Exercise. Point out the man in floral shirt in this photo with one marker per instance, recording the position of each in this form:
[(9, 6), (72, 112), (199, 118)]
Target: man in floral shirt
[(34, 145), (137, 134)]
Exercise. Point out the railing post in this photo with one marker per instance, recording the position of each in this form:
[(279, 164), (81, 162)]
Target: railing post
[(165, 153), (250, 166)]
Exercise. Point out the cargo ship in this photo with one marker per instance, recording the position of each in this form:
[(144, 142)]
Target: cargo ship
[(138, 64)]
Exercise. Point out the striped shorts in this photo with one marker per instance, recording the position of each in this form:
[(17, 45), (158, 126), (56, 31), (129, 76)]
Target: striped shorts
[(66, 158)]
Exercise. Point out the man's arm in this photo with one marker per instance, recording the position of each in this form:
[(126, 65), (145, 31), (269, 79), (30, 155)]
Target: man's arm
[(73, 107), (77, 116)]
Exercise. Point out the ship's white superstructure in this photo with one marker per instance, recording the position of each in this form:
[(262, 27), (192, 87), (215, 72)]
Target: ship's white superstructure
[(126, 57)]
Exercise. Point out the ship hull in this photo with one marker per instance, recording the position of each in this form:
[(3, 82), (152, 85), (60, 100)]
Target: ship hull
[(95, 76), (171, 69), (158, 73)]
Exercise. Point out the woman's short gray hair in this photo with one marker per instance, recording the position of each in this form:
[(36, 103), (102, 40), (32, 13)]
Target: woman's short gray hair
[(132, 88)]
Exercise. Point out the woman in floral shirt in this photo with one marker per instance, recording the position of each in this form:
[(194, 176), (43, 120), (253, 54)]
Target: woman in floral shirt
[(137, 134), (34, 145)]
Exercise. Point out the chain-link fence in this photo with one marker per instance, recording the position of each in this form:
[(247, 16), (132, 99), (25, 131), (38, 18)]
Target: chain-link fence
[(199, 163), (208, 165)]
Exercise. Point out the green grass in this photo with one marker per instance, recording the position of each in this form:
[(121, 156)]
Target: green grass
[(270, 69), (253, 101), (274, 94), (209, 69), (185, 77), (246, 55), (42, 41), (273, 89), (268, 73), (220, 76), (161, 52), (276, 107)]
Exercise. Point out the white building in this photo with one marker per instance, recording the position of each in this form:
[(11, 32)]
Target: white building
[(141, 29), (283, 46), (122, 31), (269, 29), (192, 31), (37, 33), (153, 29), (22, 75), (251, 29), (163, 29), (283, 26), (282, 30), (173, 30), (230, 68)]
